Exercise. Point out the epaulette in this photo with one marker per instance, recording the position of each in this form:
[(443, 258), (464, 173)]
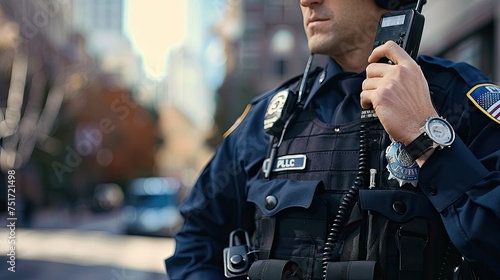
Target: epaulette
[(293, 83)]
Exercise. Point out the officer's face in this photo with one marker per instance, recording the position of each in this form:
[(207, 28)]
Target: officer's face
[(335, 27)]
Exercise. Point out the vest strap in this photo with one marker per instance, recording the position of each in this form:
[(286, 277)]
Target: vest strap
[(268, 226), (412, 240), (353, 270), (274, 270)]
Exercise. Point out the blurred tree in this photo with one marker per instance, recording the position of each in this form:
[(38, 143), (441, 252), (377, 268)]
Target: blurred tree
[(73, 126)]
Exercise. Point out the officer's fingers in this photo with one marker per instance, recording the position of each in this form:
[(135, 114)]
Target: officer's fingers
[(371, 83), (377, 70), (365, 98), (391, 51)]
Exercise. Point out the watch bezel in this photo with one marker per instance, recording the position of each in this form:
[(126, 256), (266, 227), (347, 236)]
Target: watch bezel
[(436, 140)]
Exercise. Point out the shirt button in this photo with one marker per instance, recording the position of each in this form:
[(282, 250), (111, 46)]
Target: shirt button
[(322, 77), (271, 202), (432, 190), (399, 207)]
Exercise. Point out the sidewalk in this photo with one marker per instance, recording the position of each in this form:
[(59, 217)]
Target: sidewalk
[(83, 219)]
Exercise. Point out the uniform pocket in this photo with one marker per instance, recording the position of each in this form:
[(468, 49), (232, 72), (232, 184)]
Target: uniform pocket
[(291, 221), (274, 196), (403, 231), (397, 205)]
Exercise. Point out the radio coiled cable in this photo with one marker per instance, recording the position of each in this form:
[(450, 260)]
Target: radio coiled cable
[(348, 201)]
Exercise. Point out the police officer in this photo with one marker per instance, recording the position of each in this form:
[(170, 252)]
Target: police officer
[(316, 186)]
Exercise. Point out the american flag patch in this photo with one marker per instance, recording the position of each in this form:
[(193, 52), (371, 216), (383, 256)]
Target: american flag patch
[(487, 98)]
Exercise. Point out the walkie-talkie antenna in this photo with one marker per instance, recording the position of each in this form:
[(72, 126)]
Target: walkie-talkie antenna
[(303, 83), (420, 4)]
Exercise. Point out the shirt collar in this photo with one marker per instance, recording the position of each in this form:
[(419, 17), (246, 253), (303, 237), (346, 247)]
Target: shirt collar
[(331, 71)]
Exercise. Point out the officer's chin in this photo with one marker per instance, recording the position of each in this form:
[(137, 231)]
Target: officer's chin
[(320, 47)]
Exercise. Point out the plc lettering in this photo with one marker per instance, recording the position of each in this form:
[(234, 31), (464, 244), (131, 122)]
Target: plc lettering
[(284, 163)]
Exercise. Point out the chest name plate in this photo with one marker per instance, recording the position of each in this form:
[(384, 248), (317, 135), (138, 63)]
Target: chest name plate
[(284, 163)]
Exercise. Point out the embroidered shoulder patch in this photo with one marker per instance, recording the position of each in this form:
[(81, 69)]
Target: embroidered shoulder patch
[(487, 98)]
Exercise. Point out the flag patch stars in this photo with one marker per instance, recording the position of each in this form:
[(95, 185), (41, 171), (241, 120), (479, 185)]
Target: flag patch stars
[(487, 98)]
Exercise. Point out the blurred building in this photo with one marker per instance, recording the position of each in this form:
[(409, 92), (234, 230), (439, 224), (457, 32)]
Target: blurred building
[(187, 95), (270, 48), (273, 43), (102, 24), (464, 31)]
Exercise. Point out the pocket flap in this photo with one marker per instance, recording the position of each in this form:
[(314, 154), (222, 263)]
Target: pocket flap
[(397, 205), (273, 196)]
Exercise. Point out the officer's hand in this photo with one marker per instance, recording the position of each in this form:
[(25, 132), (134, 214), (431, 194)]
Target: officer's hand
[(399, 93)]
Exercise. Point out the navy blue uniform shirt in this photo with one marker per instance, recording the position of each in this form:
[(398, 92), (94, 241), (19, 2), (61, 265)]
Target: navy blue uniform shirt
[(462, 182)]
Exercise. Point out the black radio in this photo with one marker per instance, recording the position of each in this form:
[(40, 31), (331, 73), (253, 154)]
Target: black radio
[(404, 27), (237, 257)]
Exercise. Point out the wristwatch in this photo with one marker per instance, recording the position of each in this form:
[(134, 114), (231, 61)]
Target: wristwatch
[(436, 133)]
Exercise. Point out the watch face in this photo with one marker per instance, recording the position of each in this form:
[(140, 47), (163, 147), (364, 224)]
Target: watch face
[(440, 131)]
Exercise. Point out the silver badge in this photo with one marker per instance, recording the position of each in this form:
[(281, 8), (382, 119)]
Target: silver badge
[(400, 165), (275, 109)]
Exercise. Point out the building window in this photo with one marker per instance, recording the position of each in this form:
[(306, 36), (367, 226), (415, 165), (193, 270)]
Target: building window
[(282, 11), (282, 46), (253, 32), (280, 67)]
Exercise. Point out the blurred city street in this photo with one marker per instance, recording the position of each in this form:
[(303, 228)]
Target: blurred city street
[(110, 110), (83, 246)]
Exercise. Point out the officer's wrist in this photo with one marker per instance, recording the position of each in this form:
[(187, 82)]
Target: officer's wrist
[(423, 158), (410, 138)]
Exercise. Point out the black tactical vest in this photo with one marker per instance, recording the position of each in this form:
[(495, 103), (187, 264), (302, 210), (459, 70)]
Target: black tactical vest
[(316, 165)]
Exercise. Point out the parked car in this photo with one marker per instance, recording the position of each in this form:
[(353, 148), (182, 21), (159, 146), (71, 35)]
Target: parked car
[(151, 207)]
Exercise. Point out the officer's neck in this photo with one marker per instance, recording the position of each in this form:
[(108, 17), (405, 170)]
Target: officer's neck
[(353, 60)]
